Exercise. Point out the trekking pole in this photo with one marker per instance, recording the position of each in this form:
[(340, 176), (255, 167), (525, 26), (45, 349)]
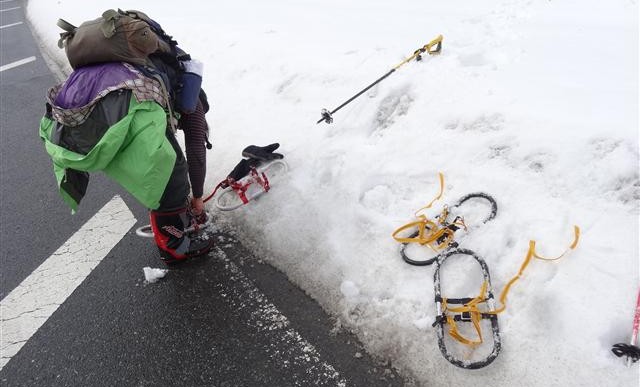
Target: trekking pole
[(631, 350), (428, 48)]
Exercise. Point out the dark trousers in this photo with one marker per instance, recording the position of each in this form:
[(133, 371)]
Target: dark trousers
[(176, 193)]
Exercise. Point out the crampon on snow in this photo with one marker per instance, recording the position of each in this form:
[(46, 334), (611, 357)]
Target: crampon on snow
[(464, 346), (236, 193), (438, 235), (465, 316)]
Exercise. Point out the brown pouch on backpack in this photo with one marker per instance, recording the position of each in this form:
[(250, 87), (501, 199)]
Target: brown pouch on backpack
[(113, 37)]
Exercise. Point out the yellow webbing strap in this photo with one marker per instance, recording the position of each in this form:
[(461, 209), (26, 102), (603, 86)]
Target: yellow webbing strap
[(422, 224), (472, 306), (428, 231), (576, 239), (441, 177), (532, 254), (455, 334)]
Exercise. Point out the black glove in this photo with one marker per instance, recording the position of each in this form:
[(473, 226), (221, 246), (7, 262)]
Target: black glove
[(263, 153)]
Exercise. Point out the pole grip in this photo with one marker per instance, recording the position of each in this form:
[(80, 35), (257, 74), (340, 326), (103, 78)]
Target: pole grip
[(435, 42), (428, 48)]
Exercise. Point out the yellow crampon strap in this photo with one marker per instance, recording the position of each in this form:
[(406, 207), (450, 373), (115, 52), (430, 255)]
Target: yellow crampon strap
[(576, 239), (455, 334), (472, 306), (441, 177), (531, 253), (424, 226), (428, 231)]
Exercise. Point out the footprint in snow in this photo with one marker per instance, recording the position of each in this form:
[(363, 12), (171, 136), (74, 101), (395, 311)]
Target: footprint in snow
[(483, 123), (539, 161), (286, 83), (391, 107), (499, 151), (601, 147)]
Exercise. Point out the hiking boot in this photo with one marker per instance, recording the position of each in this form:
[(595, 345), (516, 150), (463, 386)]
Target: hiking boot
[(173, 242)]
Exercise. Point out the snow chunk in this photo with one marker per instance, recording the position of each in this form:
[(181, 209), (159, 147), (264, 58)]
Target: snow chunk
[(349, 289), (422, 323), (152, 275)]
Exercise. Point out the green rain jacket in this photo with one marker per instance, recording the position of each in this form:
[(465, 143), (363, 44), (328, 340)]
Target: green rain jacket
[(134, 152)]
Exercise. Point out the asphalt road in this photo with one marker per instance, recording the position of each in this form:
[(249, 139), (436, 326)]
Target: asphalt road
[(223, 320)]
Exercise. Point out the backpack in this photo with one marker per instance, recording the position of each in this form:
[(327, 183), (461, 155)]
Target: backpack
[(116, 36), (132, 36)]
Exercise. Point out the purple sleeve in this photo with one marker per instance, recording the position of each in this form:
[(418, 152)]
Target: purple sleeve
[(195, 130)]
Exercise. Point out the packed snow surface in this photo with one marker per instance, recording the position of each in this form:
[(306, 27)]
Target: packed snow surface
[(533, 102)]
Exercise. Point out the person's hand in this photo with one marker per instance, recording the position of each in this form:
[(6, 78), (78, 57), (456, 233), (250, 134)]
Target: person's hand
[(197, 206)]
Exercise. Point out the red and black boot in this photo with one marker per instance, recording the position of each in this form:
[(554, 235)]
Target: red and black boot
[(173, 242)]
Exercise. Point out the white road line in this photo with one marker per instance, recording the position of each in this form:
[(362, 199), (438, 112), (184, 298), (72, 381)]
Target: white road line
[(6, 1), (17, 63), (28, 306), (10, 25), (9, 9), (287, 347)]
